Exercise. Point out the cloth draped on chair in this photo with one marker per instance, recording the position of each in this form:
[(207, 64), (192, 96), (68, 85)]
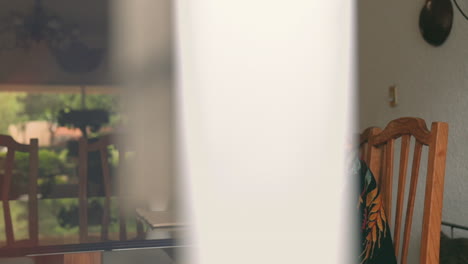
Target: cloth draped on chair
[(375, 242)]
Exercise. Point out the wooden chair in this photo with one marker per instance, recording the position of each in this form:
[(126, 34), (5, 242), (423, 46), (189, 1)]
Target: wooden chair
[(13, 147), (101, 146), (377, 149)]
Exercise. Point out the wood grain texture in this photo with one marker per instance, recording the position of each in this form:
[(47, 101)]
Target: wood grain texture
[(10, 143), (107, 191), (411, 199), (401, 126), (388, 178), (436, 141), (122, 191), (362, 151), (432, 218), (83, 188), (368, 133), (405, 146), (33, 204), (10, 159), (372, 154), (101, 145), (32, 149), (49, 259), (382, 183), (83, 258)]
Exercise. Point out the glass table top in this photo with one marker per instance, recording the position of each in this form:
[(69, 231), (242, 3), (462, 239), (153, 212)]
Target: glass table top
[(59, 229)]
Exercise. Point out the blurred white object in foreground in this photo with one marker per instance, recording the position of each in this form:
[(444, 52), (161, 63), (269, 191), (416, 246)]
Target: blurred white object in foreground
[(265, 105)]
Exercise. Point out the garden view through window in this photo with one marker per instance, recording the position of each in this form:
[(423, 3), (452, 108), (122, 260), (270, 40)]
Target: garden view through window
[(58, 121)]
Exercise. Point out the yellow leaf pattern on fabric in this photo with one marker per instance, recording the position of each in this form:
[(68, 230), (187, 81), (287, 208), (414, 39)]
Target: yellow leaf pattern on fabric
[(379, 223), (375, 209), (375, 224), (371, 197)]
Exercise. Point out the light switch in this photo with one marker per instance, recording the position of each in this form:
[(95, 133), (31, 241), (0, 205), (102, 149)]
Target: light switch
[(393, 96)]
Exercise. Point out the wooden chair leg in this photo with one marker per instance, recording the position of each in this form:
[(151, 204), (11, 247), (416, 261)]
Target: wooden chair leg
[(140, 230)]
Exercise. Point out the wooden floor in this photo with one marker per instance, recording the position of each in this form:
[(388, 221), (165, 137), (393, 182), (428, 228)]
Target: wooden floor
[(73, 258)]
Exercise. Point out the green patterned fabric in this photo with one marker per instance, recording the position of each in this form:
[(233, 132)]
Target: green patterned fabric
[(376, 241)]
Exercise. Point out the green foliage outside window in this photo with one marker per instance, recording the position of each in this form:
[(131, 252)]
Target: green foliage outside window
[(51, 166)]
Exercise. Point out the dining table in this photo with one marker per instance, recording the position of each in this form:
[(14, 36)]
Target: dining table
[(84, 253), (59, 241)]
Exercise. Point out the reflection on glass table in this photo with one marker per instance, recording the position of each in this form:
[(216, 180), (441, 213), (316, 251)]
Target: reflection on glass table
[(59, 230), (59, 221)]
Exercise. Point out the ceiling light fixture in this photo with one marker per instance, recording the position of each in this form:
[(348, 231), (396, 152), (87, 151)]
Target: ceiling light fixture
[(23, 31)]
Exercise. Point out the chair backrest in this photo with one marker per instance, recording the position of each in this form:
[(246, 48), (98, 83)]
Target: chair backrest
[(101, 145), (377, 150), (13, 147)]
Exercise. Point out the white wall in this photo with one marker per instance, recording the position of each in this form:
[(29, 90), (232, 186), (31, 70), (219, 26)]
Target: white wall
[(432, 84)]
